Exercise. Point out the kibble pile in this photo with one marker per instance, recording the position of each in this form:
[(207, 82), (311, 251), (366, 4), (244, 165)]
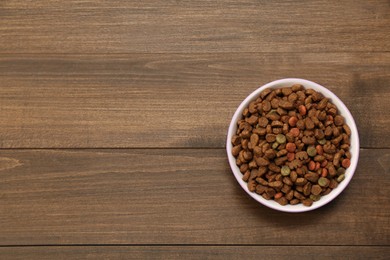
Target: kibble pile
[(292, 146)]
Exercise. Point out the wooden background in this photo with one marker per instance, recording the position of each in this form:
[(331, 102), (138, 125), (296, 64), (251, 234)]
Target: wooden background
[(114, 114)]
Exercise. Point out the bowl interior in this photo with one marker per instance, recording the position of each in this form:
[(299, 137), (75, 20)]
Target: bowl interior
[(343, 110)]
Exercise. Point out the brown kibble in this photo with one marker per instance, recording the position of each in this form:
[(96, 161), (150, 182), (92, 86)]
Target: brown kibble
[(276, 184), (252, 164), (347, 130), (280, 160), (247, 155), (266, 106), (316, 189), (288, 181), (265, 92), (286, 91), (298, 195), (328, 131), (262, 181), (262, 170), (270, 153), (294, 201), (236, 150), (309, 140), (332, 170), (286, 104), (252, 185), (292, 97), (236, 140), (333, 184), (273, 167), (282, 201), (274, 103), (301, 124), (290, 195), (327, 191), (322, 104), (263, 121), (270, 138), (270, 192), (319, 158), (296, 87), (312, 177), (260, 189), (300, 181), (245, 177), (254, 140), (262, 161), (309, 123), (307, 202), (307, 189), (252, 120), (281, 153), (338, 120), (336, 159), (244, 167), (301, 155), (319, 134)]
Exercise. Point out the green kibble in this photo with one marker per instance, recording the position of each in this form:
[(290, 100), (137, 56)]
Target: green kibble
[(285, 170), (311, 151), (340, 171), (322, 141), (323, 182), (315, 197), (341, 178), (281, 138), (275, 145)]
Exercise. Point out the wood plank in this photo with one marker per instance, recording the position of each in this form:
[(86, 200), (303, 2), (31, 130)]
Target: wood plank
[(120, 26), (173, 196), (170, 100), (195, 252)]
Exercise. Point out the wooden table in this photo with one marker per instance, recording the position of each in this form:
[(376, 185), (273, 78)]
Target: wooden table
[(114, 114)]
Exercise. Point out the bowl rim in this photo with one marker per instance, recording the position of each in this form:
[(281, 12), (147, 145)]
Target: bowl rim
[(342, 109)]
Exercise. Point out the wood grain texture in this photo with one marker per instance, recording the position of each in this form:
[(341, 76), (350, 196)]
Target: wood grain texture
[(170, 100), (170, 196), (120, 26), (196, 252)]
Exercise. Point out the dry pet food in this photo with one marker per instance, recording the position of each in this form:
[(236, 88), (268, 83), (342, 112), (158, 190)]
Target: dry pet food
[(292, 145)]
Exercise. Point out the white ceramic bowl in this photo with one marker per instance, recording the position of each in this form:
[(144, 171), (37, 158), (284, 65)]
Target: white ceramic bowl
[(343, 110)]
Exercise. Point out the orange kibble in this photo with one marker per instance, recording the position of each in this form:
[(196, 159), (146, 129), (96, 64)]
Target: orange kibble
[(319, 149), (290, 147), (302, 110), (318, 165), (290, 156), (278, 195), (295, 132), (324, 172), (346, 163), (293, 121), (312, 165)]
